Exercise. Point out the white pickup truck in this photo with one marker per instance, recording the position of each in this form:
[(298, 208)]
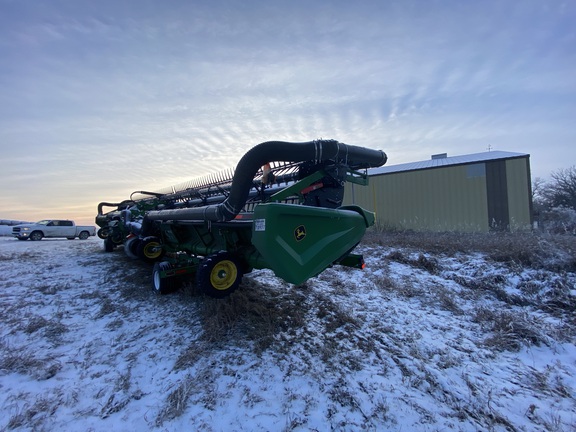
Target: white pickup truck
[(52, 228)]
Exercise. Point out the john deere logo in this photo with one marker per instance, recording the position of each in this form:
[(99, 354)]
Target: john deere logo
[(300, 233)]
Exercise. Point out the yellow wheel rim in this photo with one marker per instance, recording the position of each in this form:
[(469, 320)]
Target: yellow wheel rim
[(152, 250), (223, 275)]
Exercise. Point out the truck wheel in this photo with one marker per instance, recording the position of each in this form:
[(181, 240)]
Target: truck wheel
[(150, 249), (163, 285), (84, 235), (36, 236), (219, 274)]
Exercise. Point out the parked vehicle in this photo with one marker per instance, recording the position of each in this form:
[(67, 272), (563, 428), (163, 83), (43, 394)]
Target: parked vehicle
[(52, 228)]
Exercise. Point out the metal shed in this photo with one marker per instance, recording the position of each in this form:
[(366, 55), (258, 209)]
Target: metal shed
[(470, 193)]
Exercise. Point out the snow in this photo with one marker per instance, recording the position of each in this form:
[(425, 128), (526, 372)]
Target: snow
[(86, 345)]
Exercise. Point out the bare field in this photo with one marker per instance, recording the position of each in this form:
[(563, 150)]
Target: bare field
[(440, 332)]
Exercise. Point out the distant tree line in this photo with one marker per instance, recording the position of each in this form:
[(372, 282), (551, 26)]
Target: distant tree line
[(555, 201), (11, 222)]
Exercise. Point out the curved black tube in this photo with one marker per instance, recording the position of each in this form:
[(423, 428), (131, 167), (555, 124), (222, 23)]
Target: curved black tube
[(316, 151), (154, 194), (118, 205)]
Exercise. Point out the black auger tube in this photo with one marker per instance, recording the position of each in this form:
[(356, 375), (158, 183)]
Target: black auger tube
[(272, 151)]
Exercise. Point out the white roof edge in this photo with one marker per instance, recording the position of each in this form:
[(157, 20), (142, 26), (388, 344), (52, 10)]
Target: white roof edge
[(452, 160)]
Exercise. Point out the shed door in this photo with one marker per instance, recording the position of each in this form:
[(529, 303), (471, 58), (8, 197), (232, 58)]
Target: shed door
[(497, 193)]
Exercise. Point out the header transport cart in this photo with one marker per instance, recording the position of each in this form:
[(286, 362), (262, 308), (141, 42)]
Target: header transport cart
[(280, 209)]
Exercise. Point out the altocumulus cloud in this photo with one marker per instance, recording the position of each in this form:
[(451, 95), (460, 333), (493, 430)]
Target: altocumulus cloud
[(100, 99)]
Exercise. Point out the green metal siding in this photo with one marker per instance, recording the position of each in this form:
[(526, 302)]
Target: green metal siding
[(519, 194), (464, 198), (439, 199)]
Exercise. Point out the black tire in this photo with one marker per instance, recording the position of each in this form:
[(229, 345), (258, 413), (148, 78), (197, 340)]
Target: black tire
[(131, 247), (84, 235), (103, 233), (219, 275), (36, 236), (109, 245), (150, 249), (160, 285), (116, 237)]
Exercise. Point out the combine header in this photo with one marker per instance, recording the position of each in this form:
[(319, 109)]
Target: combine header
[(280, 209)]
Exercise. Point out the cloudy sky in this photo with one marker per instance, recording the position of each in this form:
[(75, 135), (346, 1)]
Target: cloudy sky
[(101, 98)]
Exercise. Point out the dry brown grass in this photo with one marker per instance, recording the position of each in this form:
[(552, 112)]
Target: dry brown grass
[(19, 359), (551, 252), (550, 258), (430, 264), (511, 330), (254, 314)]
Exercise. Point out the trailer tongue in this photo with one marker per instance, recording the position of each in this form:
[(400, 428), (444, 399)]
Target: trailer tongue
[(280, 209)]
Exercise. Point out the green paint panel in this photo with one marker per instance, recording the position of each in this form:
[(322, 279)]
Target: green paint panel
[(439, 199), (298, 242), (519, 194)]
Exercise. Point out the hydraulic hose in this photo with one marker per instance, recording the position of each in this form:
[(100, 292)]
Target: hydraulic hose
[(317, 151)]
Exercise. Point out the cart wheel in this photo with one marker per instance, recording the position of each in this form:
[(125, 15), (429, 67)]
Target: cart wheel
[(103, 233), (219, 275), (163, 285), (150, 249), (131, 247), (116, 237)]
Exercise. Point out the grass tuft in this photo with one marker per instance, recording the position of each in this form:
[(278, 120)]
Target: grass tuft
[(510, 330)]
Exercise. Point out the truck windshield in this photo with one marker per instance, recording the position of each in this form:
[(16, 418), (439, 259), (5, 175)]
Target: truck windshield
[(43, 222)]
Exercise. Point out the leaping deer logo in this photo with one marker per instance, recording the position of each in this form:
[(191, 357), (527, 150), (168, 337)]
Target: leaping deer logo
[(300, 233)]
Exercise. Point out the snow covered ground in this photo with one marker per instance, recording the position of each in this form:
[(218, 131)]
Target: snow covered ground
[(421, 340)]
